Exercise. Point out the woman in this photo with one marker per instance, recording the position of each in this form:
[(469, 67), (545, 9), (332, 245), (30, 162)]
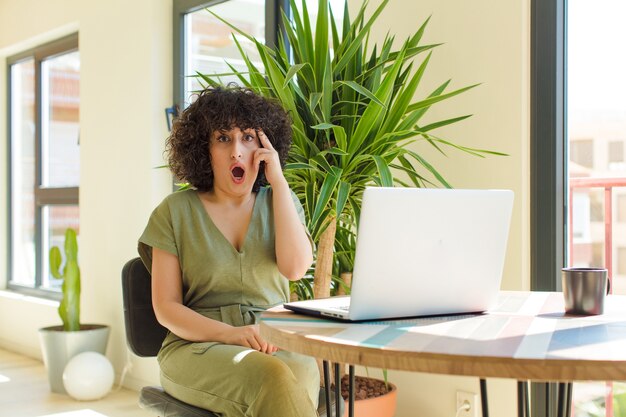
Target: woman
[(223, 252)]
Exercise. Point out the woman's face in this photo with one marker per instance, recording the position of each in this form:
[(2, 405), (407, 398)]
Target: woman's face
[(232, 159)]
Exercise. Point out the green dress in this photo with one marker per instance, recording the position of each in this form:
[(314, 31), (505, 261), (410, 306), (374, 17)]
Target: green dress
[(233, 287)]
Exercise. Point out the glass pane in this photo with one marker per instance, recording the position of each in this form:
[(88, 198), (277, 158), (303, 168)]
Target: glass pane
[(55, 220), (597, 172), (23, 173), (597, 132), (60, 134), (209, 42)]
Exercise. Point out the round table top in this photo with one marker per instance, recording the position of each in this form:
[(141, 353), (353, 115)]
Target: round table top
[(527, 336)]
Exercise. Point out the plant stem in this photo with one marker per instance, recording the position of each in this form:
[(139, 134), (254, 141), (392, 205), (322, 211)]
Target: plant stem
[(324, 263)]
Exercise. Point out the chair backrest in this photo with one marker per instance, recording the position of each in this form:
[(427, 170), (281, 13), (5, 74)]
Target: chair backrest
[(144, 334)]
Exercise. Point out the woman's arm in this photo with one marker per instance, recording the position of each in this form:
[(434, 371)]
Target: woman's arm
[(167, 296), (294, 254)]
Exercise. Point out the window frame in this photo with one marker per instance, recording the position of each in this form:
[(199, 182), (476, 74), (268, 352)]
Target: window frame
[(548, 171), (43, 196), (548, 143)]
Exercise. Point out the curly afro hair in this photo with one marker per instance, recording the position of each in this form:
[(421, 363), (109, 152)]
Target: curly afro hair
[(223, 108)]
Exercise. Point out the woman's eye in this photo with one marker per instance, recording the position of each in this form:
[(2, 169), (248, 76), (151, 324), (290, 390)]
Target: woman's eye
[(248, 138), (223, 138)]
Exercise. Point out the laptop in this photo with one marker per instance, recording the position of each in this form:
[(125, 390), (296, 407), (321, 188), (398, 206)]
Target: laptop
[(423, 252)]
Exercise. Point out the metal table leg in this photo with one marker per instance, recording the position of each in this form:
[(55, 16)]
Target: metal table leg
[(564, 408), (523, 403), (483, 397), (338, 398), (337, 390), (568, 405), (351, 391), (329, 412)]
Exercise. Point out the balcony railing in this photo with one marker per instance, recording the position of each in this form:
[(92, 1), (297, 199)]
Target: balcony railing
[(607, 184)]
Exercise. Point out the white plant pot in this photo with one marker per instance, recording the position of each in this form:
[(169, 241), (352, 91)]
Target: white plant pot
[(59, 346)]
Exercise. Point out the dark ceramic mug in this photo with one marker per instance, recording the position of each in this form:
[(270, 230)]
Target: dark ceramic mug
[(584, 290)]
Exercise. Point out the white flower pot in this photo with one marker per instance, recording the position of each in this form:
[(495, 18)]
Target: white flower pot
[(59, 346)]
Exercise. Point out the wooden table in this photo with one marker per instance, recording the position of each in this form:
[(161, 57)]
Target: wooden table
[(526, 336)]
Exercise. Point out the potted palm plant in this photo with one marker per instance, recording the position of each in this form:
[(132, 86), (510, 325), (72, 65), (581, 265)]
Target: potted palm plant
[(60, 343), (356, 123)]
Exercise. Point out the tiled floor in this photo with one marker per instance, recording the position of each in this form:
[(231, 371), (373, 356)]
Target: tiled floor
[(24, 392)]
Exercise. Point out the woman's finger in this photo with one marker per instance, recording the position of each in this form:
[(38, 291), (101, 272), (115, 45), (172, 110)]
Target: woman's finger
[(263, 152), (263, 155), (253, 343), (264, 140), (265, 347), (258, 157)]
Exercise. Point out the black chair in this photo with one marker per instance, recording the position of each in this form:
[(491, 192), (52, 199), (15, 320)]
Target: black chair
[(144, 335)]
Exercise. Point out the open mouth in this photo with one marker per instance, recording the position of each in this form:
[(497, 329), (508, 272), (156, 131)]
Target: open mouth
[(238, 173)]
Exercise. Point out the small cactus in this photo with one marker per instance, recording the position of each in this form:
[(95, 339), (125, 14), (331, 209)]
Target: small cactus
[(69, 309)]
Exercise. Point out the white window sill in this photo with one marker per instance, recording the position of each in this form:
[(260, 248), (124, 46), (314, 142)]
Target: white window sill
[(16, 296)]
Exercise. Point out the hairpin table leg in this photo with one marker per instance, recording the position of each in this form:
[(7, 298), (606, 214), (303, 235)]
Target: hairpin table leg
[(329, 412), (565, 399), (351, 391), (338, 397), (483, 397), (568, 405), (522, 399)]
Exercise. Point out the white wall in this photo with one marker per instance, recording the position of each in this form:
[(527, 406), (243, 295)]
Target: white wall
[(126, 69), (126, 78), (24, 25), (484, 42)]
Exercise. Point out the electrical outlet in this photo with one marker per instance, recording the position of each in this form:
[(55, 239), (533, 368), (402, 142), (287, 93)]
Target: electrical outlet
[(470, 401)]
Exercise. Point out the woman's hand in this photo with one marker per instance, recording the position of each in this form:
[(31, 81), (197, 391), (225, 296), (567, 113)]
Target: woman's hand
[(267, 154), (248, 336)]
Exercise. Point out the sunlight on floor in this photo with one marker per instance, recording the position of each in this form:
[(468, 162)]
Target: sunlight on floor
[(26, 393), (77, 413)]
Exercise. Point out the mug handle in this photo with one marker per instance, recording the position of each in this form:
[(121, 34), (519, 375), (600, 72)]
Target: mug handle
[(608, 285)]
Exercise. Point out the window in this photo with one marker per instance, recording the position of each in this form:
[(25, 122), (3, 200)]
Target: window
[(621, 208), (616, 151), (581, 152), (44, 162), (209, 43), (594, 110), (596, 113), (204, 44), (570, 102), (616, 156)]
